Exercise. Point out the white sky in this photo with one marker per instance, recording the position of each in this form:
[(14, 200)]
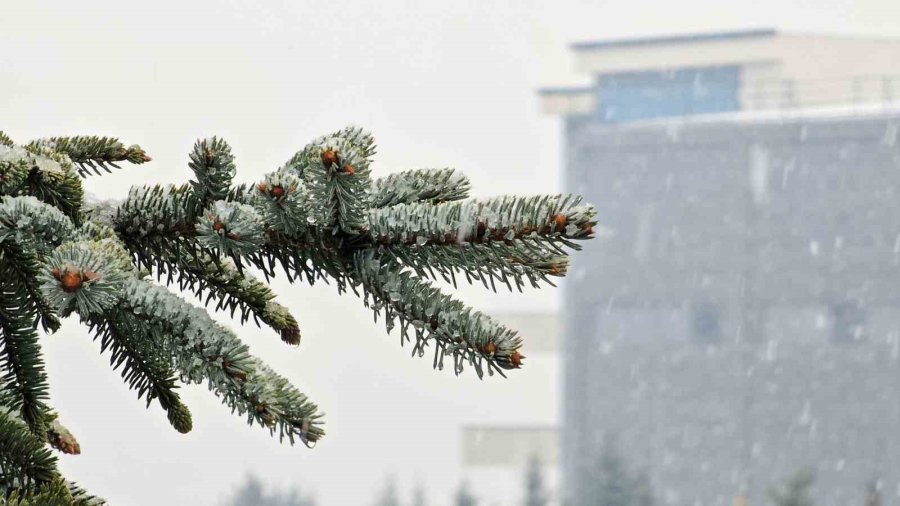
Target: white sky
[(439, 83)]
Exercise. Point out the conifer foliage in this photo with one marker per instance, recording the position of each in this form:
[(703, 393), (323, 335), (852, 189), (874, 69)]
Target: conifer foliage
[(321, 216)]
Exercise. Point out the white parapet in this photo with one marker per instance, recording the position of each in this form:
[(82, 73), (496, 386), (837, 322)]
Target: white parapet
[(565, 101)]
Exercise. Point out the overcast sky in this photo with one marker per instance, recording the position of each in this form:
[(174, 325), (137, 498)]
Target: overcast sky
[(439, 83)]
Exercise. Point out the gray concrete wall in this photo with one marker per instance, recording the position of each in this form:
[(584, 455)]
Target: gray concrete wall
[(785, 235)]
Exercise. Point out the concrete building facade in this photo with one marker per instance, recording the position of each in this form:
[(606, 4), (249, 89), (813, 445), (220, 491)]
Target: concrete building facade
[(741, 316)]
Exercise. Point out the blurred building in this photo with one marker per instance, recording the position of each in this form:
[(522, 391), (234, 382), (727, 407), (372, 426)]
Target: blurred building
[(739, 317), (496, 455)]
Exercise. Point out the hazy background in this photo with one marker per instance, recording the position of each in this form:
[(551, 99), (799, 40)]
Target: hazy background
[(439, 84)]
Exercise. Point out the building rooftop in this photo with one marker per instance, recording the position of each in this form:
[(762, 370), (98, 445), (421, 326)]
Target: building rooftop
[(726, 72), (674, 39)]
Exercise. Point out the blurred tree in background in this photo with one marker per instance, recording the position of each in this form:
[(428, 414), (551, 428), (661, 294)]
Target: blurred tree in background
[(252, 493), (873, 494), (643, 490), (418, 496), (795, 490), (535, 493), (389, 495), (464, 497), (615, 484)]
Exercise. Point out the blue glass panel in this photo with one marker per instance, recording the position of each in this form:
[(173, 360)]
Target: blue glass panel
[(644, 95)]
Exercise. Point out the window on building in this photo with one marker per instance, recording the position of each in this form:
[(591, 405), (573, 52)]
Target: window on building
[(705, 326), (848, 322), (643, 95)]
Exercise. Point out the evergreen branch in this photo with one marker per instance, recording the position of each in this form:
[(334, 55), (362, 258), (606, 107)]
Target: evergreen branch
[(144, 367), (14, 169), (296, 164), (336, 171), (154, 211), (36, 486), (85, 276), (208, 276), (358, 137), (203, 350), (62, 439), (50, 178), (281, 200), (213, 166), (26, 225), (24, 459), (239, 193), (453, 328), (518, 261), (28, 220), (24, 269), (58, 190), (231, 228), (5, 140), (154, 218), (94, 152), (157, 219), (555, 220), (25, 382), (320, 216), (209, 279), (421, 185), (54, 493), (292, 240), (81, 498), (308, 256)]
